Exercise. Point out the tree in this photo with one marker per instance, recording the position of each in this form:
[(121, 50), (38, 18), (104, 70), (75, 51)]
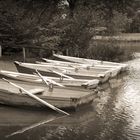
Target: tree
[(21, 21), (52, 24), (135, 26), (78, 30)]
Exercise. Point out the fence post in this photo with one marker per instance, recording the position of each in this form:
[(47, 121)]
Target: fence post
[(0, 51), (24, 54), (67, 52)]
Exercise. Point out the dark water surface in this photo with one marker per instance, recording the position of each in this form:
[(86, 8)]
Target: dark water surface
[(113, 115)]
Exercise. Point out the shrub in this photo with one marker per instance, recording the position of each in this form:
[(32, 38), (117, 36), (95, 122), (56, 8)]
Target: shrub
[(109, 50)]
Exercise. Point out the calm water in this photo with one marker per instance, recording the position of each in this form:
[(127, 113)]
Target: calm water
[(114, 115)]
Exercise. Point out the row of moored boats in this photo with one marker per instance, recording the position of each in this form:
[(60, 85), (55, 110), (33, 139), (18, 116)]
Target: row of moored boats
[(63, 83)]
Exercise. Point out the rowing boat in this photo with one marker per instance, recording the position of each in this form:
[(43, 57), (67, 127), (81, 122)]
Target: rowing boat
[(90, 61), (77, 65), (32, 78), (67, 98), (57, 71), (114, 70)]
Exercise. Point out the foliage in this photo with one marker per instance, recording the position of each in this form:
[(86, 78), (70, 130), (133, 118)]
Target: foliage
[(108, 50), (14, 29), (135, 26), (79, 31), (21, 21), (107, 6), (62, 25), (118, 23), (112, 11)]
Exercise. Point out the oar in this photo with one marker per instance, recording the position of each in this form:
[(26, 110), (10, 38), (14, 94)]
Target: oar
[(46, 82), (37, 73), (67, 63), (50, 85), (37, 98), (61, 74), (47, 79), (47, 60)]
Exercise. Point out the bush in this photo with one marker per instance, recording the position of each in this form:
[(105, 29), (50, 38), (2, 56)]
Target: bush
[(109, 50)]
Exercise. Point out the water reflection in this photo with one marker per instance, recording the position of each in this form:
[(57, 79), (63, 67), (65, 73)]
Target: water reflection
[(14, 119), (56, 126), (113, 115)]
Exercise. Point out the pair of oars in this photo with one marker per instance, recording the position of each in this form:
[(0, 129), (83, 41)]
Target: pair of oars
[(36, 97), (47, 81)]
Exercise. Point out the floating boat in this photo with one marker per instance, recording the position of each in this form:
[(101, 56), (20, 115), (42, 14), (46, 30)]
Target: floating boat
[(36, 79), (59, 71), (90, 61), (77, 65), (114, 70), (67, 98)]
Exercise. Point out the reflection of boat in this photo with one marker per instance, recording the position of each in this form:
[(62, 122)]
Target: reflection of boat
[(91, 61), (36, 79), (34, 125), (58, 97), (29, 121), (82, 117), (11, 116), (15, 119), (53, 71)]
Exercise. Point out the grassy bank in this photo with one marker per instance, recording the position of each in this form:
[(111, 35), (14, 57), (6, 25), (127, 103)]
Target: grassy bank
[(113, 48), (7, 65)]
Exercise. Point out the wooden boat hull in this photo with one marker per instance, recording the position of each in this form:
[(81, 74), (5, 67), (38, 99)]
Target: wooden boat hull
[(23, 100), (113, 70), (23, 69), (87, 66), (75, 66), (103, 77), (35, 79), (90, 61)]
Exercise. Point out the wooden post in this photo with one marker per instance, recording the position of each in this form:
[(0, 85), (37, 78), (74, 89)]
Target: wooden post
[(0, 51), (67, 52), (24, 54)]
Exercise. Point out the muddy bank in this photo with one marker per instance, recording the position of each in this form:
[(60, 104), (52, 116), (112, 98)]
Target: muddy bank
[(7, 65)]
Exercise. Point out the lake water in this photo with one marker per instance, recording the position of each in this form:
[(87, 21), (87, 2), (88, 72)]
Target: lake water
[(113, 115)]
